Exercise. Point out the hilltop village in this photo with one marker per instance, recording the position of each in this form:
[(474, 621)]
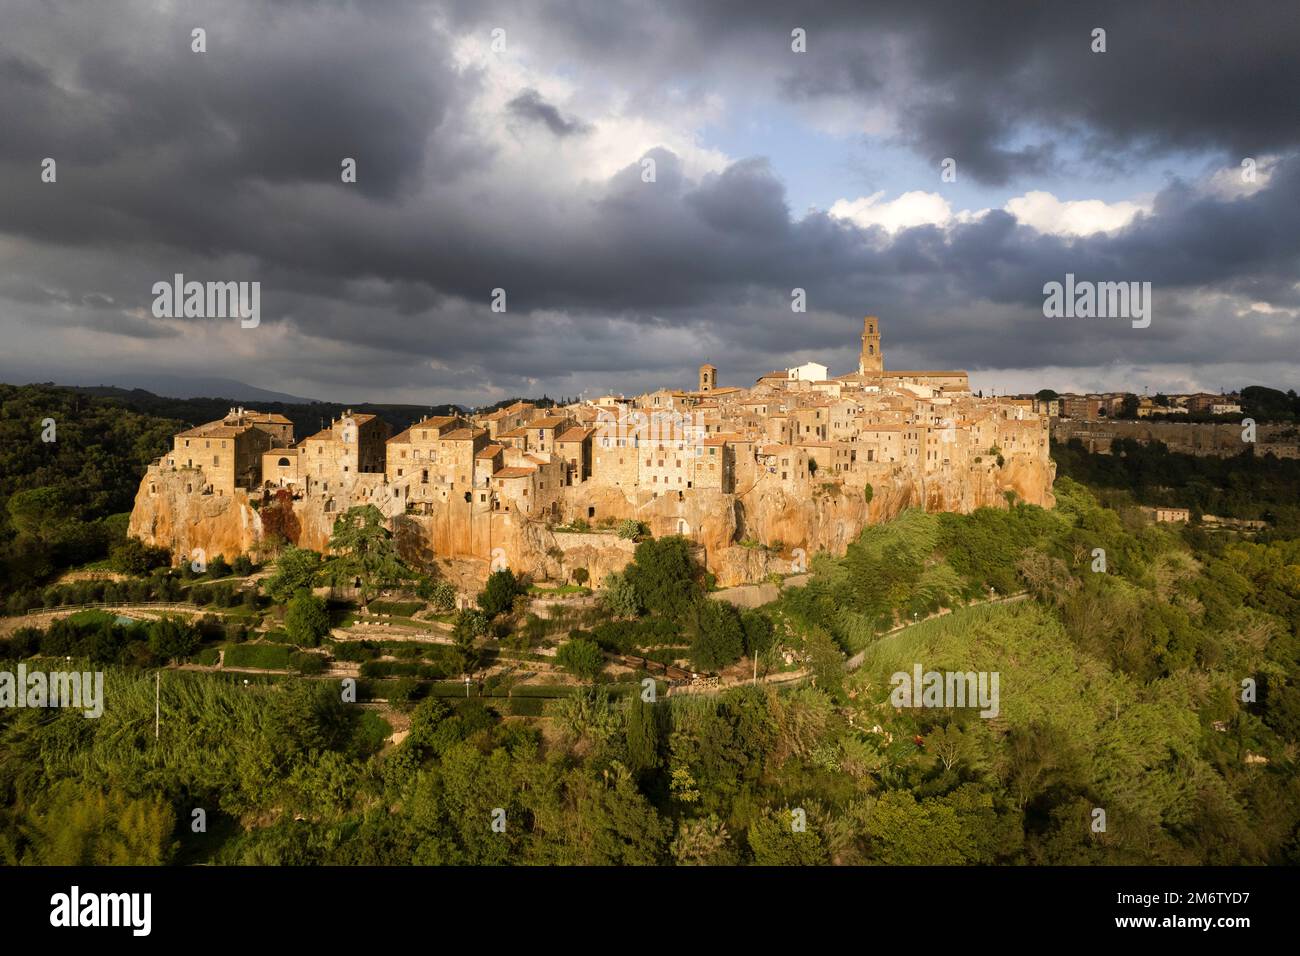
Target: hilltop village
[(758, 477)]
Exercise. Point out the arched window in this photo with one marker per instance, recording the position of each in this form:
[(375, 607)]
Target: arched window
[(283, 462)]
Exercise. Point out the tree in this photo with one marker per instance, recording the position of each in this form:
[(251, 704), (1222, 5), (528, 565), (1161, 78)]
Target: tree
[(77, 824), (704, 842), (306, 619), (295, 569), (582, 658), (468, 626), (629, 529), (443, 596), (280, 526), (664, 577), (717, 637), (172, 638), (642, 735), (133, 556), (776, 842), (620, 597), (580, 576), (365, 551), (499, 594)]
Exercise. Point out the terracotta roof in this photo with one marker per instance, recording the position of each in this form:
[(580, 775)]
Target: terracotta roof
[(404, 437), (514, 472), (576, 434), (215, 430), (436, 421), (463, 434), (490, 451), (514, 433), (551, 421), (514, 409)]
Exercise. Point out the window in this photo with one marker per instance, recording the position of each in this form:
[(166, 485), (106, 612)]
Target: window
[(216, 460), (283, 462)]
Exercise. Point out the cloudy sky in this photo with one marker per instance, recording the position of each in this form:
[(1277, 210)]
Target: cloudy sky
[(521, 168)]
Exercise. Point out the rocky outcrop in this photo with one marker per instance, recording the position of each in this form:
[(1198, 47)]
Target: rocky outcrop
[(741, 538)]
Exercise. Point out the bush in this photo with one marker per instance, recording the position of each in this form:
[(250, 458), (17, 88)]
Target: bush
[(269, 656), (243, 566), (172, 638), (354, 651), (399, 608), (306, 619), (307, 663), (582, 658), (526, 706), (133, 556), (443, 596), (218, 567)]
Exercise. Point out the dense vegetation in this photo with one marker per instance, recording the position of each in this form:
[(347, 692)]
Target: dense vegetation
[(1122, 649), (1120, 691), (65, 502), (1245, 486)]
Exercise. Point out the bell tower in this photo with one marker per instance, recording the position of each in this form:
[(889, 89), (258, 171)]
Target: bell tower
[(871, 359), (708, 378)]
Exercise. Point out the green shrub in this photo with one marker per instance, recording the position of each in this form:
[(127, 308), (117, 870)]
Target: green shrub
[(269, 656)]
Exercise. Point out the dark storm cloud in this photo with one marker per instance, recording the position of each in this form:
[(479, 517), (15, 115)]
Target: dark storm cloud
[(225, 165), (969, 80), (530, 105)]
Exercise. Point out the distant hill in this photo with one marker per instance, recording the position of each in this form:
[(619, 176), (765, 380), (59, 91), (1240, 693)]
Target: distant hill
[(307, 417), (186, 386)]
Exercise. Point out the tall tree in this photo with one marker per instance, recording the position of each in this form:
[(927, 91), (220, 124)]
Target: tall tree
[(366, 553)]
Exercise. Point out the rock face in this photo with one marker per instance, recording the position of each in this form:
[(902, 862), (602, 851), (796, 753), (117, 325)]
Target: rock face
[(741, 538)]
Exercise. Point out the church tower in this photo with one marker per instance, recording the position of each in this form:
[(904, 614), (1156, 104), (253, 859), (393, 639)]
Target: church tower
[(871, 359), (708, 378)]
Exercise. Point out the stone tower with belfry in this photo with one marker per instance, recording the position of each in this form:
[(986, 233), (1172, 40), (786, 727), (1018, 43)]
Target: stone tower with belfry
[(708, 378), (871, 359)]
